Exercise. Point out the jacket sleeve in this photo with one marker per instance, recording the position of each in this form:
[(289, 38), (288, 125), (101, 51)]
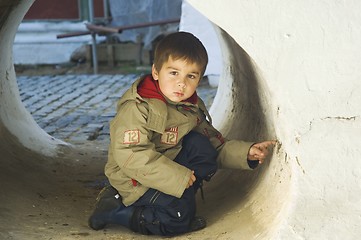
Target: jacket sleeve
[(136, 155), (232, 154)]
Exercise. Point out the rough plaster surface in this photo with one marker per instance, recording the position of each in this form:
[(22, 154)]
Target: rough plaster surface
[(307, 57), (290, 72)]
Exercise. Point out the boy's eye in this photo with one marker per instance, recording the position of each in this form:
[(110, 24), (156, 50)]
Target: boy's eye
[(191, 76), (173, 73)]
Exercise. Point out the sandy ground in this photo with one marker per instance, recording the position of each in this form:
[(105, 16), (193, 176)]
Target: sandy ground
[(53, 198)]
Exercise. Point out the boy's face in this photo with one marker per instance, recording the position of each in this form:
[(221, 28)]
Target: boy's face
[(178, 79)]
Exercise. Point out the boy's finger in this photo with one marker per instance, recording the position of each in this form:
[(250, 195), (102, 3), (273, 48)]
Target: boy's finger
[(257, 152), (268, 144), (272, 142)]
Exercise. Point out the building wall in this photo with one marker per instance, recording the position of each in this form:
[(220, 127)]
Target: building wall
[(63, 10)]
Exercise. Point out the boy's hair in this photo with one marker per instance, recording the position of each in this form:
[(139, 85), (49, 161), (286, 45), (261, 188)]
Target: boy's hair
[(181, 45)]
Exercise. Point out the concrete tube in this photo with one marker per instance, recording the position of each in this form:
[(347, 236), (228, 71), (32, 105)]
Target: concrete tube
[(307, 53), (45, 182)]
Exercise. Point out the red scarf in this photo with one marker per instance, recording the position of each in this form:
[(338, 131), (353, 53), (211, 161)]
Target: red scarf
[(149, 88)]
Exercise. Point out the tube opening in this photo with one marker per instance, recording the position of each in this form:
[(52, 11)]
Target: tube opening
[(51, 186)]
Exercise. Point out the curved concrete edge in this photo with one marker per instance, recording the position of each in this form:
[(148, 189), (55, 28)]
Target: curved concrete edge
[(13, 115)]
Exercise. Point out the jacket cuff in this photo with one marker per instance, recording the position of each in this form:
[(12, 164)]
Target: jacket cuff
[(233, 155), (253, 163)]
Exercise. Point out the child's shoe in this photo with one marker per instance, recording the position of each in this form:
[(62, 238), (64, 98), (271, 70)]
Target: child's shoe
[(107, 202)]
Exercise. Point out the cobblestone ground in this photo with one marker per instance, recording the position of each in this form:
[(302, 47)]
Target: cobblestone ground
[(78, 108)]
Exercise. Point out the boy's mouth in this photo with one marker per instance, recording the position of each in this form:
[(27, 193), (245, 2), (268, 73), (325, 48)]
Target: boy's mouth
[(179, 94)]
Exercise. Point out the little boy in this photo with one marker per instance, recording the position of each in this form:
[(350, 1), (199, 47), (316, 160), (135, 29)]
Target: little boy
[(163, 146)]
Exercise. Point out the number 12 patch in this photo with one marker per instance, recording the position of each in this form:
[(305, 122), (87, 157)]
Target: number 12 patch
[(170, 136), (131, 137)]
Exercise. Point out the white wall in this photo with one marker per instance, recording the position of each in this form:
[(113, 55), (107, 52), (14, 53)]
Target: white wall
[(308, 56), (193, 21)]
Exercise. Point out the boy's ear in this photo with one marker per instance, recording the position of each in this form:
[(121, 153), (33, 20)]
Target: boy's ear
[(154, 73)]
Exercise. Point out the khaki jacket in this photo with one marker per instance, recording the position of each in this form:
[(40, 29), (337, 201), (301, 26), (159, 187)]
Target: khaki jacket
[(145, 137)]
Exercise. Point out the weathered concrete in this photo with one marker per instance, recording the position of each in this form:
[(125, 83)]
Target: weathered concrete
[(292, 81)]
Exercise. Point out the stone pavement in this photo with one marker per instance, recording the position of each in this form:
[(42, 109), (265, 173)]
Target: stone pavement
[(78, 108)]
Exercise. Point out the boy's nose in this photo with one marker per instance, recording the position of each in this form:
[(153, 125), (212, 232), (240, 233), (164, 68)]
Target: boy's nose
[(181, 83)]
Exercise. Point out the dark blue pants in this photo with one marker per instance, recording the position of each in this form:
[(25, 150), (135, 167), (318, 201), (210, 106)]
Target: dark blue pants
[(162, 214)]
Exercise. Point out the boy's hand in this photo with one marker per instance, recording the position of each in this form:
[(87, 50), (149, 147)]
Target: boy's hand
[(259, 151), (191, 180)]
